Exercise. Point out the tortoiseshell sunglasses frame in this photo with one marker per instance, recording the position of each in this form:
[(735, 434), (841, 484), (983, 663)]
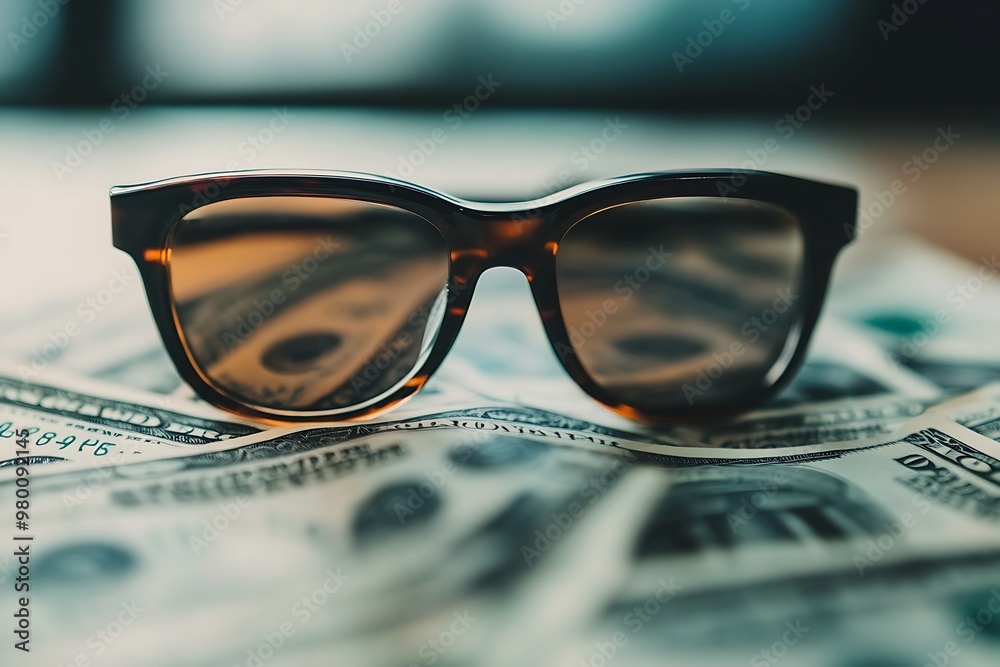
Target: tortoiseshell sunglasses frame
[(521, 235)]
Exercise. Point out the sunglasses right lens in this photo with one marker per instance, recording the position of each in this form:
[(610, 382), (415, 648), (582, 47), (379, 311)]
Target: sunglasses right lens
[(681, 303), (307, 304)]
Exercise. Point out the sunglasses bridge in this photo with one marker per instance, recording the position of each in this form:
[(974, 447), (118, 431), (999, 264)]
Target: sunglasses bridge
[(499, 240)]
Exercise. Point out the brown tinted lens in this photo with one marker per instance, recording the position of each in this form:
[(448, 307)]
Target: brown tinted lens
[(679, 303), (307, 304)]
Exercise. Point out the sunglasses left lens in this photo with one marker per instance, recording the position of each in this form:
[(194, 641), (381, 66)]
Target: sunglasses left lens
[(675, 305), (307, 304)]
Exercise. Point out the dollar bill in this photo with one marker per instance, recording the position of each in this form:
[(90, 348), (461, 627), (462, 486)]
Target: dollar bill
[(477, 422), (876, 555), (978, 411), (117, 346), (928, 308), (367, 523), (80, 421), (831, 421), (413, 533)]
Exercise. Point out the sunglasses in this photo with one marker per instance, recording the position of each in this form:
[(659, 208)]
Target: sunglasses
[(668, 297)]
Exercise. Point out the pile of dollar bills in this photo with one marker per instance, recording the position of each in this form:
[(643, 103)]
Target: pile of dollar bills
[(502, 518)]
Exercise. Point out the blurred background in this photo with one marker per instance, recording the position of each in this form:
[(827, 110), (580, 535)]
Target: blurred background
[(914, 58)]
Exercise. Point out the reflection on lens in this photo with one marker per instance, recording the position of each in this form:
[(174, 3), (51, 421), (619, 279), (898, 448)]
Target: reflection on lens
[(299, 353), (307, 303), (684, 302)]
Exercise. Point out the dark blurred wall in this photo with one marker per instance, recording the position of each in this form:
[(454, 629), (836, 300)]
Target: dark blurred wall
[(907, 56)]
